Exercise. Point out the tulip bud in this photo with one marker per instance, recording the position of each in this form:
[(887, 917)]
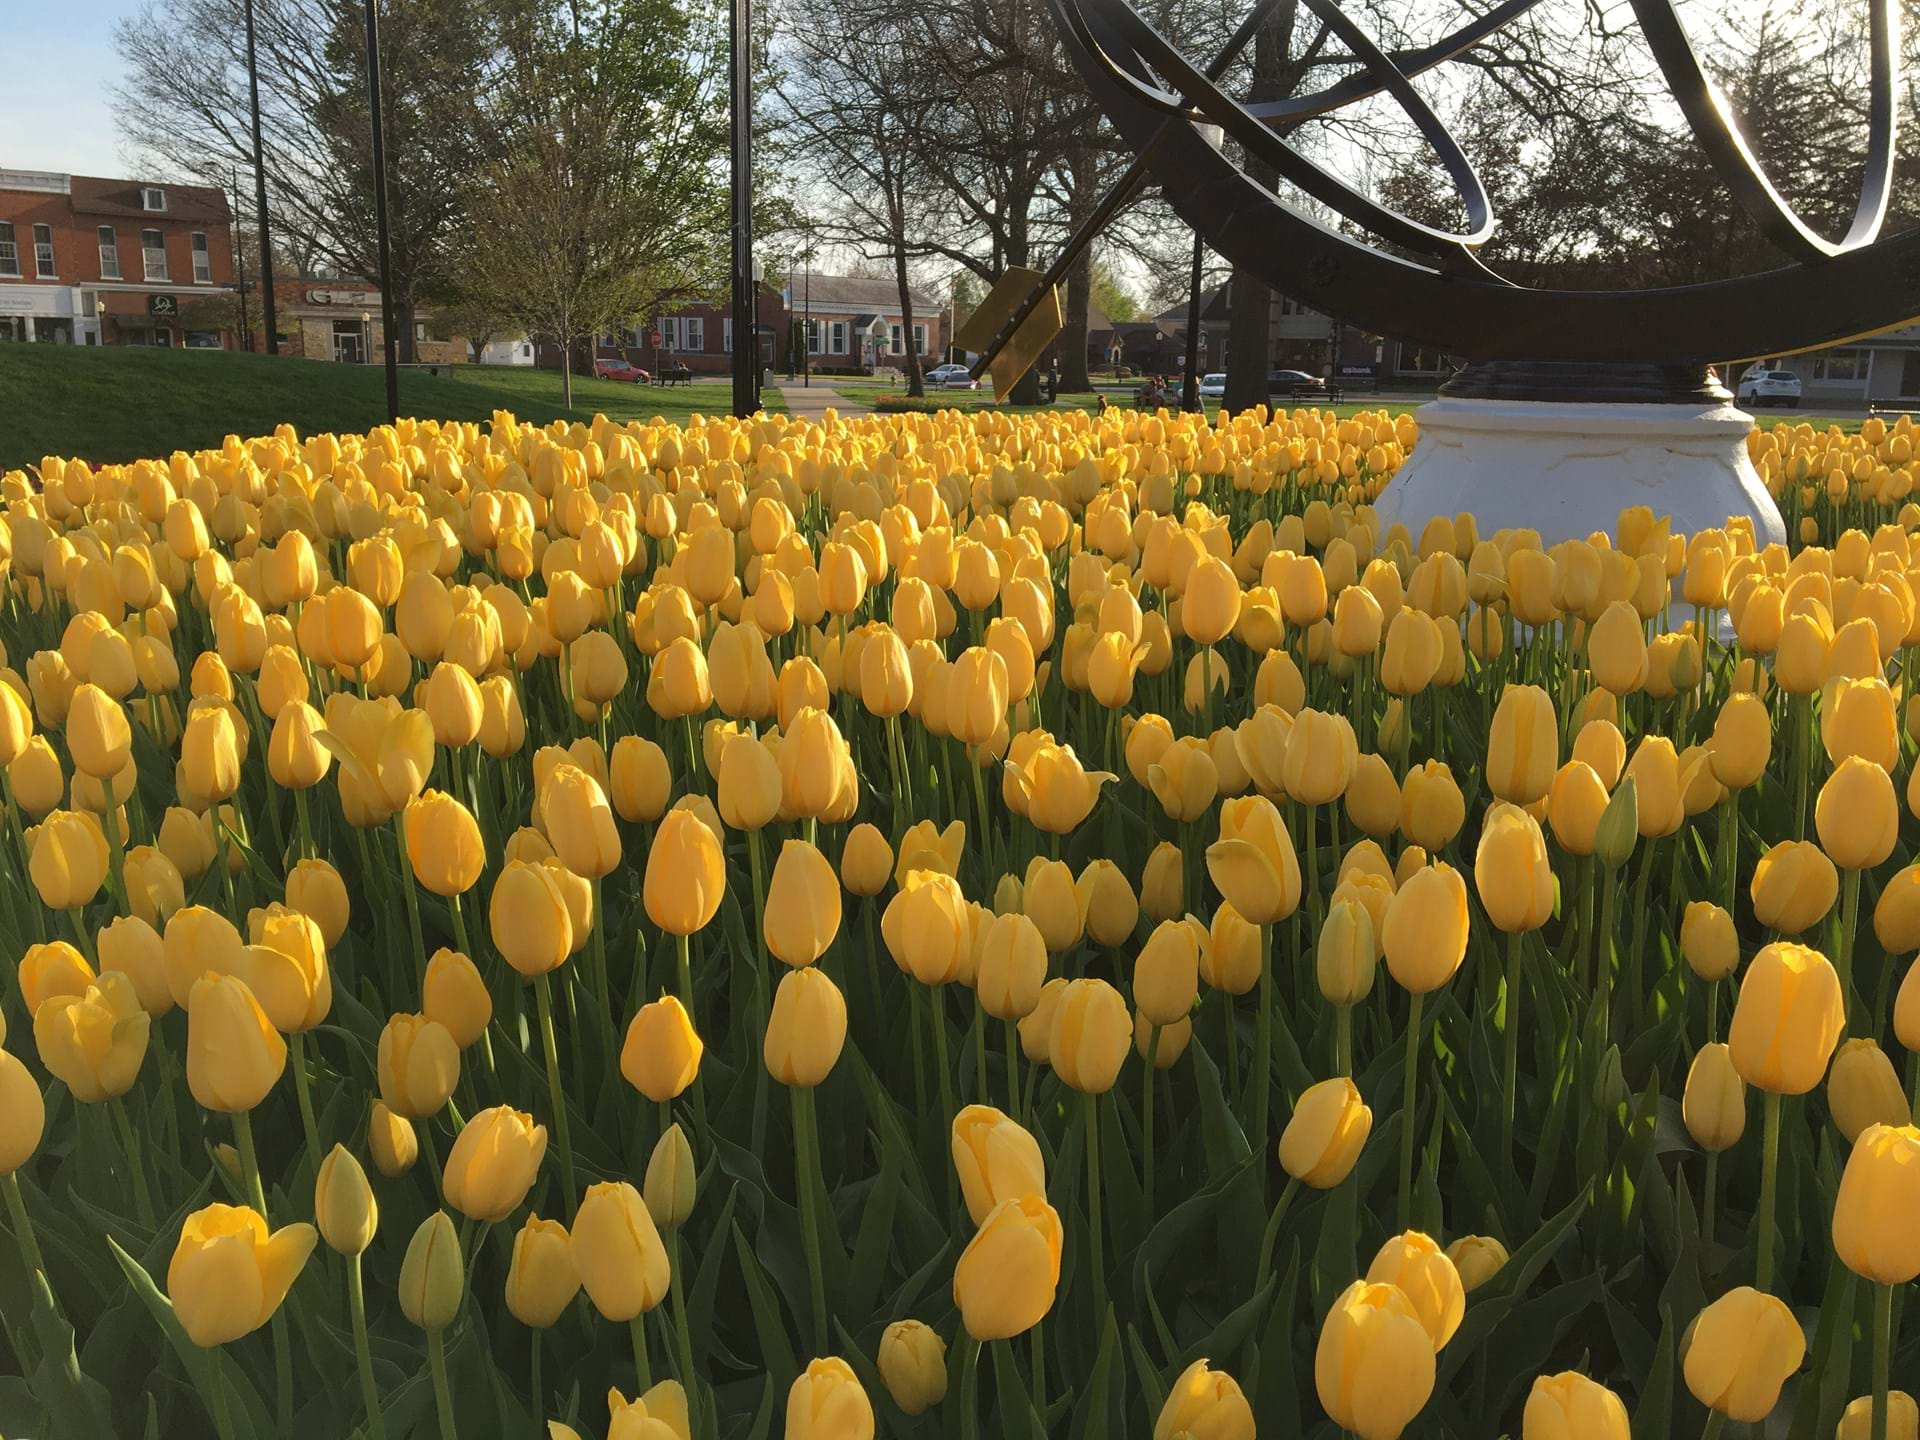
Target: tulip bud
[(528, 915), (234, 1055), (493, 1163), (1857, 815), (315, 889), (668, 1188), (1011, 968), (623, 1263), (1569, 1406), (1708, 942), (1166, 975), (661, 1056), (52, 970), (1739, 1351), (542, 1278), (392, 1141), (1346, 958), (1206, 1402), (1619, 827), (927, 928), (1863, 1090), (1422, 1272), (1903, 1418), (1425, 935), (343, 1203), (68, 859), (1091, 1033), (996, 1160), (802, 905), (454, 996), (1714, 1106), (686, 875), (806, 1030), (1478, 1258), (432, 1275), (418, 1066), (1511, 871), (228, 1274), (1253, 862), (1523, 747), (1794, 886), (913, 1365), (1163, 883), (1005, 1280), (1374, 1365), (866, 861), (98, 736), (1788, 1018), (1230, 961), (1325, 1134), (827, 1402), (23, 1114)]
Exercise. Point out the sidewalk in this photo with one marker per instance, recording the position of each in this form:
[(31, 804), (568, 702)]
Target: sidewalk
[(810, 402)]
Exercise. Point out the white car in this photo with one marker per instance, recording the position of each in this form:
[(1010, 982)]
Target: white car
[(951, 377), (1213, 386), (1769, 387)]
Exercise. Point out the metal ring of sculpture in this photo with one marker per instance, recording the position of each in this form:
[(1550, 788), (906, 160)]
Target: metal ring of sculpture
[(1829, 292)]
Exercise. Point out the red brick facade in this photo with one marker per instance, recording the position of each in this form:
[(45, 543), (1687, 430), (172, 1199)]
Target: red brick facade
[(132, 262)]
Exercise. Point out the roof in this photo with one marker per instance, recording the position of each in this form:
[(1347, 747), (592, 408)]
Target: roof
[(96, 195), (1213, 307), (854, 293)]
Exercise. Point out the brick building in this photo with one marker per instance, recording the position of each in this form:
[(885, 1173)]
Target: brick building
[(339, 320), (86, 260), (854, 324), (698, 336)]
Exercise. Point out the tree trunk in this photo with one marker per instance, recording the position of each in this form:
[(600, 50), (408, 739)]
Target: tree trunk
[(916, 385), (403, 317), (1073, 339), (1250, 317), (566, 375)]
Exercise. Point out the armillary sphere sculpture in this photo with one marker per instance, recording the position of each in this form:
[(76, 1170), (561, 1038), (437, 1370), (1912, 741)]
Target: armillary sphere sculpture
[(1574, 402)]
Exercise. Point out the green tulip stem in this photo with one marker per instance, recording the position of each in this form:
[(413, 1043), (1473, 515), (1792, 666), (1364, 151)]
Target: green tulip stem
[(684, 948), (1849, 927), (249, 1161), (1406, 1111), (1516, 943), (1261, 1080), (304, 821), (442, 1399), (537, 1390), (1146, 1111), (806, 1179), (463, 940), (282, 1375), (1882, 1358), (116, 843), (1013, 1069), (22, 1224), (423, 1137), (369, 1394), (1039, 1387), (1769, 1175), (969, 1388), (543, 997), (1727, 853), (936, 1017), (600, 983), (1090, 1113), (1713, 1012), (683, 1333), (1343, 1039), (1715, 1420), (1709, 1200), (1603, 950), (757, 863), (412, 890), (80, 936), (1272, 1234), (303, 1092), (643, 1367), (136, 1161), (1800, 718), (899, 778), (222, 1414)]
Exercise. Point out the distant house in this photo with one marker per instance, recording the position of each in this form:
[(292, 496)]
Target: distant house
[(698, 336), (518, 351), (1875, 367), (87, 260), (854, 324), (339, 320)]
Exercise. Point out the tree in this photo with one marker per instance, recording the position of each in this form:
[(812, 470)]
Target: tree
[(184, 108), (1116, 301), (611, 194)]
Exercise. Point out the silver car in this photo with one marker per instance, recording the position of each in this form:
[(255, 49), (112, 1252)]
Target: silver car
[(952, 377)]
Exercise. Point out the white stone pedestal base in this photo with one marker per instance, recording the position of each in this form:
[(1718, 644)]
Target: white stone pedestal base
[(1567, 470)]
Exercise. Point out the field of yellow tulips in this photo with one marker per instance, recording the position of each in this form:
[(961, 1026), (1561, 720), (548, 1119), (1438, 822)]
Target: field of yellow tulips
[(964, 925)]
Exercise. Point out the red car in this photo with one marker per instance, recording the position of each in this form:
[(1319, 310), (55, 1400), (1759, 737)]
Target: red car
[(621, 370)]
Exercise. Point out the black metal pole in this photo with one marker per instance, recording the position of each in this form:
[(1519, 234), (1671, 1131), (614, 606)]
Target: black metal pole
[(1190, 396), (380, 209), (746, 376), (806, 330), (260, 194), (240, 259)]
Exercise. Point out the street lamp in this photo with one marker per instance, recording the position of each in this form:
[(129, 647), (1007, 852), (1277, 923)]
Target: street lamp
[(366, 338), (1190, 395)]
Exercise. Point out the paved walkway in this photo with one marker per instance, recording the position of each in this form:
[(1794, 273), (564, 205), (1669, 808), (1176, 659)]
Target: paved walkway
[(810, 402)]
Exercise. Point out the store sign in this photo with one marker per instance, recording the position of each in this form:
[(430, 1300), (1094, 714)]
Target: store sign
[(17, 302), (1358, 372), (163, 307)]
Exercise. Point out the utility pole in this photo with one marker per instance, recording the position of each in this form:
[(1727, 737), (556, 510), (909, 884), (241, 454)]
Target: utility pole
[(746, 345), (240, 259), (260, 194), (380, 209)]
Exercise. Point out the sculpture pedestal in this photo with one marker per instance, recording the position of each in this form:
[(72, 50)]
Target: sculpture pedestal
[(1567, 469)]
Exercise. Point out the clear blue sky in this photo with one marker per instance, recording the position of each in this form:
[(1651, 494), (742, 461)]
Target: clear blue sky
[(61, 71)]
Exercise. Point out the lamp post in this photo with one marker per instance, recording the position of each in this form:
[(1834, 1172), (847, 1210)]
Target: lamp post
[(746, 374), (260, 194), (806, 329), (1190, 395), (380, 210), (366, 338)]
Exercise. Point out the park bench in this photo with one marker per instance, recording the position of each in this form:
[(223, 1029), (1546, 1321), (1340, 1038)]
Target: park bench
[(1331, 394), (674, 375)]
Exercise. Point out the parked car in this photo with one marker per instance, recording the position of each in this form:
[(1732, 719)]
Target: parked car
[(951, 377), (624, 371), (1286, 382), (1213, 386), (1769, 387)]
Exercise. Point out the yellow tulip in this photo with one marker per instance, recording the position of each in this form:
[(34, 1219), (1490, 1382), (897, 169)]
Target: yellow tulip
[(229, 1274)]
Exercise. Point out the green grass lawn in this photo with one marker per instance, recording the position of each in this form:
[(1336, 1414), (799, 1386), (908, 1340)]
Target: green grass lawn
[(119, 404)]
